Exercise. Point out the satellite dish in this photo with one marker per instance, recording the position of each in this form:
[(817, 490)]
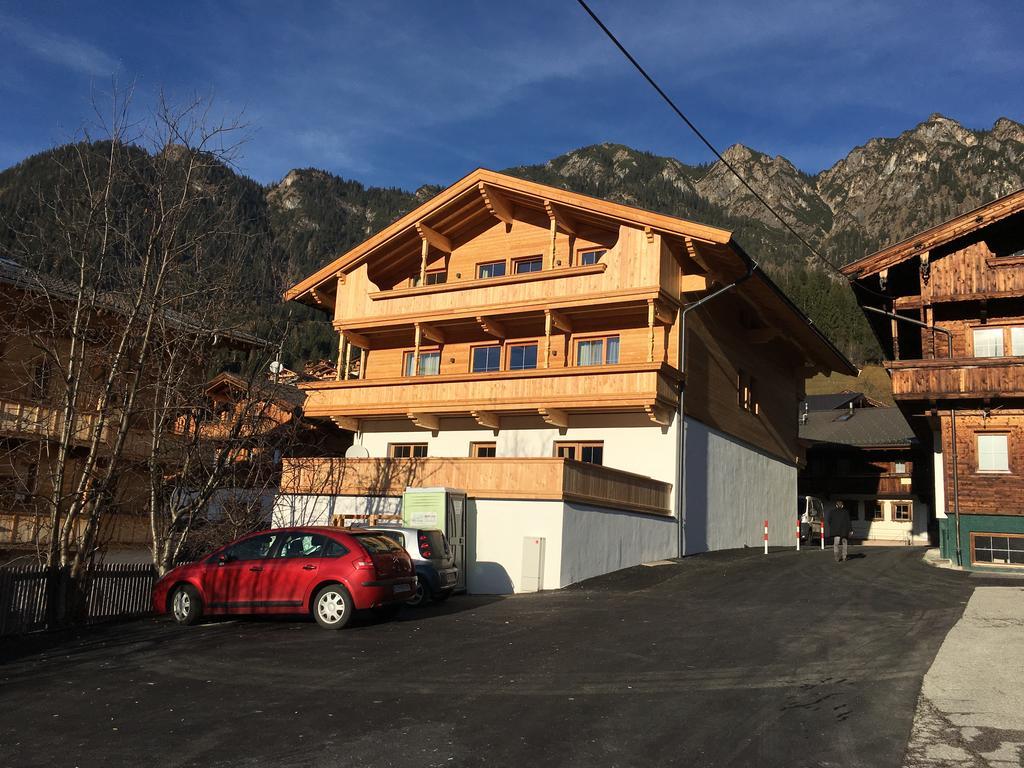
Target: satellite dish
[(356, 452), (276, 367)]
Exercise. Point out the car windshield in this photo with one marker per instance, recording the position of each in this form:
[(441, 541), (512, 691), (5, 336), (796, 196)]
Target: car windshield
[(377, 543)]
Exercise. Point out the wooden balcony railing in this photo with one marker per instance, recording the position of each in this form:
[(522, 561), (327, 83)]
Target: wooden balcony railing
[(33, 420), (957, 378), (622, 387), (494, 478)]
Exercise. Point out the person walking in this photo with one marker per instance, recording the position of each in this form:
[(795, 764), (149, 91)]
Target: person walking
[(839, 527)]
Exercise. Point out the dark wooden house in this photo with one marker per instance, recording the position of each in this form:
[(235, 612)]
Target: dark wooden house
[(956, 357)]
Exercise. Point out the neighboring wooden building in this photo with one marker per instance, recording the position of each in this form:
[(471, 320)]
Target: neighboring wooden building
[(963, 373), (867, 456), (509, 334)]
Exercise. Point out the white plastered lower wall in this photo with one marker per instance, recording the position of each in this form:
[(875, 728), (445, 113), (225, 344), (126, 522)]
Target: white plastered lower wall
[(731, 489)]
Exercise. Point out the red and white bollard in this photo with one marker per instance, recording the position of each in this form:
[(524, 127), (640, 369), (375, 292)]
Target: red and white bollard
[(766, 537), (823, 533), (798, 535)]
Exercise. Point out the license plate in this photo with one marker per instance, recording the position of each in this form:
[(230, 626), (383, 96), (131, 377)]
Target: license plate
[(400, 588), (449, 578)]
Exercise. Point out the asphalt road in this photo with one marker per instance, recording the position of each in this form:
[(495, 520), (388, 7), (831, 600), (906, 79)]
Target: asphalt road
[(730, 659)]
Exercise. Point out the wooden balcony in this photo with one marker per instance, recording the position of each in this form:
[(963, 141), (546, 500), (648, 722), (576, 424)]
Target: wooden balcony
[(650, 387), (494, 478), (34, 421), (957, 378), (22, 527)]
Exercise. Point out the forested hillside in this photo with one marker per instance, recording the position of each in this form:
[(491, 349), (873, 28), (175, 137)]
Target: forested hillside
[(881, 192)]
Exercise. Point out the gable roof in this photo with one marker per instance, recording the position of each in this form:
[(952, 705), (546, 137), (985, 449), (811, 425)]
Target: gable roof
[(831, 401), (938, 235), (488, 194), (859, 427)]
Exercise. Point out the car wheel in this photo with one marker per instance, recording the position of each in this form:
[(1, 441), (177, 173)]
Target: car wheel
[(186, 605), (443, 595), (421, 595), (332, 607)]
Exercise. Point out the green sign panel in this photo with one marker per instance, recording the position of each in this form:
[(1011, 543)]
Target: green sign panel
[(424, 509)]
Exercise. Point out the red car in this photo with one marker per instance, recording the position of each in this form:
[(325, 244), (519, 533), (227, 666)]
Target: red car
[(328, 572)]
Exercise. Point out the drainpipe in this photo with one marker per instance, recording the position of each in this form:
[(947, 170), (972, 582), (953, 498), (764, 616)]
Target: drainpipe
[(681, 413), (952, 416)]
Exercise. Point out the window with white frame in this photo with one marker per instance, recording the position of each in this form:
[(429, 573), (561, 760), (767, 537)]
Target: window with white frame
[(988, 342), (1017, 342), (993, 453)]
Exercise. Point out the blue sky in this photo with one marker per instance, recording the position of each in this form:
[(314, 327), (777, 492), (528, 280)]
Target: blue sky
[(407, 92)]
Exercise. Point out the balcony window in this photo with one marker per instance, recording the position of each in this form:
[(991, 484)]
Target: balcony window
[(900, 467), (522, 357), (407, 450), (591, 257), (997, 549), (434, 277), (486, 359), (1017, 342), (429, 364), (988, 342), (529, 264), (993, 453), (588, 453), (604, 351), (490, 269), (483, 450)]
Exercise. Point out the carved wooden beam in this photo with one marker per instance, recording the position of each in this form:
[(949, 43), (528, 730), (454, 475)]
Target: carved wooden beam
[(693, 283), (555, 417), (487, 419), (346, 422), (431, 332), (560, 217), (649, 234), (663, 314), (560, 321), (363, 342), (434, 238), (492, 327), (659, 414), (426, 421), (317, 297), (497, 203)]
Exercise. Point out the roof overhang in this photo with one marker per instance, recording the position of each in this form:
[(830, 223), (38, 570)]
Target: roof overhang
[(937, 236)]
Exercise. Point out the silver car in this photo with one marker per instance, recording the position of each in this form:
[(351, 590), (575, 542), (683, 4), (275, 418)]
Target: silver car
[(436, 572)]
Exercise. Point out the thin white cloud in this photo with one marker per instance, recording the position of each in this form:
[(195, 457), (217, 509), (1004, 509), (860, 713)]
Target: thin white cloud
[(65, 51)]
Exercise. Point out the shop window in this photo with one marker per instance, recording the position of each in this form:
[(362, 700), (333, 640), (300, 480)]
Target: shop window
[(529, 264), (588, 453), (486, 359), (993, 453), (483, 450), (602, 351), (429, 363), (522, 357), (997, 548), (490, 269), (407, 450)]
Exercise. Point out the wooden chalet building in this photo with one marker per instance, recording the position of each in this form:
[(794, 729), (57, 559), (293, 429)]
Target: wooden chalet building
[(865, 454), (521, 343), (956, 357)]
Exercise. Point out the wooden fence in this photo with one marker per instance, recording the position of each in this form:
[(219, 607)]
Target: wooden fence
[(34, 598)]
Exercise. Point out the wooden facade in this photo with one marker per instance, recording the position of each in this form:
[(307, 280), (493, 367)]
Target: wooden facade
[(963, 280), (417, 302)]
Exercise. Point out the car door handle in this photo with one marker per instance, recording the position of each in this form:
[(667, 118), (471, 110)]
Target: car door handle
[(309, 567), (256, 568)]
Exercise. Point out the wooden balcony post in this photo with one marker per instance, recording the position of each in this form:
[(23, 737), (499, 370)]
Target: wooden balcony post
[(362, 363), (342, 341), (547, 338), (416, 351), (554, 239), (424, 248), (650, 330)]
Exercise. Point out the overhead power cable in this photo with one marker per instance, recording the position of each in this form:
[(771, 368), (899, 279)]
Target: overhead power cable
[(689, 123)]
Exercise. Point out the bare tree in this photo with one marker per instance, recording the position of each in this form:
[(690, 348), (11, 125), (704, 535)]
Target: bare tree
[(131, 292)]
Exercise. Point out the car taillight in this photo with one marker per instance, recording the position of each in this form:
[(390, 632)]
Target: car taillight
[(425, 550), (365, 565)]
